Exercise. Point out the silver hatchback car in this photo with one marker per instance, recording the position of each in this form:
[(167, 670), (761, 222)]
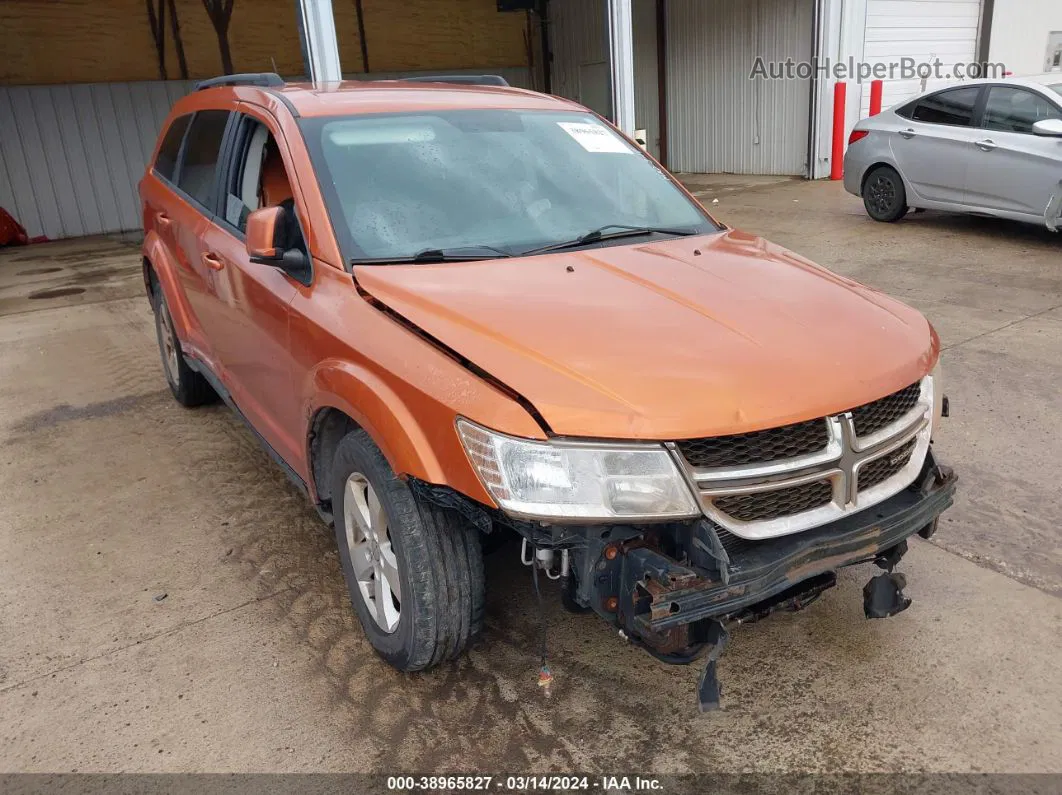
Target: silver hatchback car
[(991, 147)]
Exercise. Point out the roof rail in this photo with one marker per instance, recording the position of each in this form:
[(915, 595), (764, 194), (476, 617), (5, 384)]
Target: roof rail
[(264, 79), (461, 80)]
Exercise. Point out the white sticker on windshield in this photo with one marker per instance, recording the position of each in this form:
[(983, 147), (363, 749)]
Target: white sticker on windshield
[(595, 137)]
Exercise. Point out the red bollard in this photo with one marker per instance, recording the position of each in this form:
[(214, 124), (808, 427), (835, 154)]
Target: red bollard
[(875, 97), (837, 157)]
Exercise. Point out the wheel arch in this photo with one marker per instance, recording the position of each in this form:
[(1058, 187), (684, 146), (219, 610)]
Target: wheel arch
[(888, 164), (157, 261), (344, 396)]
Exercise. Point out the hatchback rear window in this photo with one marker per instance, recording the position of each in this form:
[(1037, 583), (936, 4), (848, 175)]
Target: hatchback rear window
[(200, 159), (954, 107), (166, 162)]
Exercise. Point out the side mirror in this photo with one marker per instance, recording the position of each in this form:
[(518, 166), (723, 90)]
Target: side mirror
[(267, 243), (1049, 128), (265, 234)]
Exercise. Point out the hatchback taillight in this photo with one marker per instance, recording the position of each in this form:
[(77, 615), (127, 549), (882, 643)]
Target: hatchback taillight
[(857, 135)]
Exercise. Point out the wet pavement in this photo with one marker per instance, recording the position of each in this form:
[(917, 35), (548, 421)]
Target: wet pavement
[(169, 602)]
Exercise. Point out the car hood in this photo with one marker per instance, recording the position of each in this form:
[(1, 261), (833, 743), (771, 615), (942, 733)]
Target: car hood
[(688, 337)]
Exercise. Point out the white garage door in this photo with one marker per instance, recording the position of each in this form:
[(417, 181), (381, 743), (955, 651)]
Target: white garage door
[(924, 30), (718, 119)]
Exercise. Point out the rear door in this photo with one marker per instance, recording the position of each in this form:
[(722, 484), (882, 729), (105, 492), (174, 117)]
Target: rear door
[(934, 141), (1013, 170), (252, 317), (191, 212)]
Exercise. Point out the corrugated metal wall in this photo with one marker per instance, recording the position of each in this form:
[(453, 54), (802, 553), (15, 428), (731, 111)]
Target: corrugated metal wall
[(719, 119), (579, 38), (70, 156)]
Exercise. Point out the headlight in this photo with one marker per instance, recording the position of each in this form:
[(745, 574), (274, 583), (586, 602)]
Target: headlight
[(575, 480), (938, 396)]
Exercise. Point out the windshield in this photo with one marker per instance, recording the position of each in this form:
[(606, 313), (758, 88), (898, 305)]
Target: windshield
[(504, 180)]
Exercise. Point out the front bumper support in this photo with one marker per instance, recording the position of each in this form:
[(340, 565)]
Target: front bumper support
[(675, 591), (672, 594)]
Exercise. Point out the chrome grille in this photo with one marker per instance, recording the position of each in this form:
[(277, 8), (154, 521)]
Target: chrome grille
[(774, 444), (780, 502), (770, 483), (881, 469), (875, 416)]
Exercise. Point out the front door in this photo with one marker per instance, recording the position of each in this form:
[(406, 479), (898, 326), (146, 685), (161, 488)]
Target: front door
[(933, 144), (253, 317), (1012, 169)]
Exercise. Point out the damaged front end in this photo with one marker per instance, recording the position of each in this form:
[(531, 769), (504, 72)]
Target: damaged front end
[(677, 588)]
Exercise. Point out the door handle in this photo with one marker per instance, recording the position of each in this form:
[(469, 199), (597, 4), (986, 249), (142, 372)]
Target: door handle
[(163, 220), (987, 145), (212, 261), (908, 133)]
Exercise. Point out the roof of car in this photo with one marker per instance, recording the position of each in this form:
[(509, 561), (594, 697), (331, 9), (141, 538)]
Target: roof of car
[(382, 96), (1045, 84), (1053, 79)]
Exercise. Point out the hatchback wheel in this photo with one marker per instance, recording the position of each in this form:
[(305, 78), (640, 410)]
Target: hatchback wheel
[(884, 196), (188, 387), (413, 570)]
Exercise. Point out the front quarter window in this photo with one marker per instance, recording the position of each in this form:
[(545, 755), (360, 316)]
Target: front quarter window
[(505, 180)]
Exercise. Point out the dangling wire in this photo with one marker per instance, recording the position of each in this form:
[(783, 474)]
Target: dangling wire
[(545, 677)]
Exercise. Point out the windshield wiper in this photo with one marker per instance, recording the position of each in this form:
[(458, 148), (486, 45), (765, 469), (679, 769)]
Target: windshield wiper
[(432, 255), (602, 233)]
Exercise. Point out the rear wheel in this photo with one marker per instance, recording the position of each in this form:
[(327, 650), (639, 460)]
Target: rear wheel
[(188, 387), (414, 571), (884, 196)]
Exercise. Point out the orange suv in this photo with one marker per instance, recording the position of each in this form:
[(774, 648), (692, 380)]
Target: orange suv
[(455, 309)]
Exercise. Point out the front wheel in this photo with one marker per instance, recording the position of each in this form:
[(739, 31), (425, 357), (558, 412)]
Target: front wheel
[(884, 196), (414, 571)]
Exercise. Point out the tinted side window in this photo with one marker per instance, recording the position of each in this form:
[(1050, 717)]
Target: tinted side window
[(1016, 110), (907, 111), (954, 107), (201, 148), (166, 161)]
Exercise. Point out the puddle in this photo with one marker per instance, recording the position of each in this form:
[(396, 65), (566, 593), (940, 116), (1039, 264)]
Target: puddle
[(37, 271), (59, 292)]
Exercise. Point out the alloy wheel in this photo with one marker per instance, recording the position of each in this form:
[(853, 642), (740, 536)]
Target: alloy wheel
[(372, 555), (882, 194), (169, 344)]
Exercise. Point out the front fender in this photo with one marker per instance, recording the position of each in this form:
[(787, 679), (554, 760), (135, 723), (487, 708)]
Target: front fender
[(421, 443)]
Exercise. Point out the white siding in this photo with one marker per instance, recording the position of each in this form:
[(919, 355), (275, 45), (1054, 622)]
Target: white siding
[(719, 119), (1025, 33), (924, 30), (70, 156)]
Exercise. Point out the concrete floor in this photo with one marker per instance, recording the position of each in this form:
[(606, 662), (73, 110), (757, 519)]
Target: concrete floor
[(115, 496)]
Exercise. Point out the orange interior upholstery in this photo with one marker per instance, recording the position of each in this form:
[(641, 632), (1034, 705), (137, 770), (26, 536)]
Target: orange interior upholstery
[(275, 185)]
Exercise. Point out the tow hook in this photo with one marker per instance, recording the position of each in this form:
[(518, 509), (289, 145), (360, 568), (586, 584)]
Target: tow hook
[(708, 689), (883, 595)]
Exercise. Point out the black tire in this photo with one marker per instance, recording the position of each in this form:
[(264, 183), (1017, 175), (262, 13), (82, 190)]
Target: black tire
[(189, 388), (435, 551), (884, 196)]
